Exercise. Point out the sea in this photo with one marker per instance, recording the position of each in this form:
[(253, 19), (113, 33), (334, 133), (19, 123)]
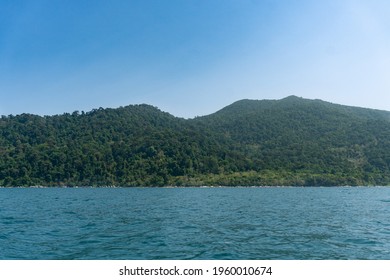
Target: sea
[(219, 223)]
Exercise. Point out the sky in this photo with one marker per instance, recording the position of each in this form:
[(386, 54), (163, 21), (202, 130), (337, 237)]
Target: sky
[(191, 57)]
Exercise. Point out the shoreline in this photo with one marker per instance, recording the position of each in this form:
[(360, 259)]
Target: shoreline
[(182, 187)]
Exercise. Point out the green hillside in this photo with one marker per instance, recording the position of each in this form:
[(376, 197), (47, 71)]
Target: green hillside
[(309, 142), (292, 141)]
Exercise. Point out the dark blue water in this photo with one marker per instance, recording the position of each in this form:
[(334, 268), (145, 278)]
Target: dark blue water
[(195, 223)]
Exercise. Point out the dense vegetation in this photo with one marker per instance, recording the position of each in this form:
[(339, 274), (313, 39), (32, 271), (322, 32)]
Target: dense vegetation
[(292, 141)]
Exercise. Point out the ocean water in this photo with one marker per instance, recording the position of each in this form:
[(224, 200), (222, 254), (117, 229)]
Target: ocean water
[(195, 223)]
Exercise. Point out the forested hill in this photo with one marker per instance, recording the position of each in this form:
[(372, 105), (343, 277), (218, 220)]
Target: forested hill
[(292, 141)]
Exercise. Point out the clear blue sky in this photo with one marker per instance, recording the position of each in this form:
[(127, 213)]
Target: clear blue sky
[(191, 57)]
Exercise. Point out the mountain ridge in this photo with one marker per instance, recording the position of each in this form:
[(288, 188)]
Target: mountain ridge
[(294, 100), (291, 141)]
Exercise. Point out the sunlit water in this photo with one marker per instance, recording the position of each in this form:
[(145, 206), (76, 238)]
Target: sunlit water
[(195, 223)]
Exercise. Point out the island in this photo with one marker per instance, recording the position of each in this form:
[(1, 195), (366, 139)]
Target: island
[(288, 142)]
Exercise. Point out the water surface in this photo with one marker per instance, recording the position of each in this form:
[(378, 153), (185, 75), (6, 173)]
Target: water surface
[(195, 223)]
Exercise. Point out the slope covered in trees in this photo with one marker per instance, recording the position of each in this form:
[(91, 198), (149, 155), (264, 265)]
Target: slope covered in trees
[(292, 141), (309, 142)]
